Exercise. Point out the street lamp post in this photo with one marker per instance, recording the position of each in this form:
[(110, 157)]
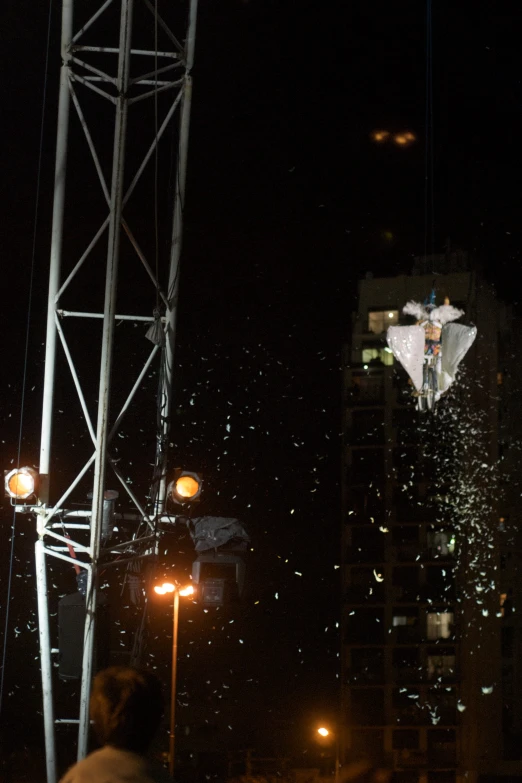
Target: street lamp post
[(167, 587), (324, 732), (172, 732)]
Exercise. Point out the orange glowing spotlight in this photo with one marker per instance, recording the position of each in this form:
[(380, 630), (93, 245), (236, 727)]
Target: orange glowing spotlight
[(186, 487), (20, 483)]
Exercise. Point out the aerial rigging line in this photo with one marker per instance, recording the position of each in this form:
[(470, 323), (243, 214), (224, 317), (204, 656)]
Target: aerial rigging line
[(429, 152), (26, 352)]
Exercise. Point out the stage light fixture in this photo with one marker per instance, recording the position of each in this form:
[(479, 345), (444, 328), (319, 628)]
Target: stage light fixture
[(20, 483)]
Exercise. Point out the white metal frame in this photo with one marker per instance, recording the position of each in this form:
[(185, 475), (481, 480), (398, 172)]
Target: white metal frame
[(165, 71)]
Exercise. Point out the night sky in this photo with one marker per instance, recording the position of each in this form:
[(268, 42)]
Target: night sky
[(288, 204)]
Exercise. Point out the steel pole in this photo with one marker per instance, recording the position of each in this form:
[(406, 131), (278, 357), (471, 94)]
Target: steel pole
[(45, 659), (60, 168), (175, 254), (56, 251), (109, 311), (172, 733)]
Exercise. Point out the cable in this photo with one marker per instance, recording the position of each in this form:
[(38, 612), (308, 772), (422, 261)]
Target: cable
[(156, 156), (26, 353), (429, 164), (432, 131)]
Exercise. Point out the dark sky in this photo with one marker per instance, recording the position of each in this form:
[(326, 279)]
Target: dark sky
[(288, 204)]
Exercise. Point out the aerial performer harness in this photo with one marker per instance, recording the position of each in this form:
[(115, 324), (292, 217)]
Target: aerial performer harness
[(431, 349)]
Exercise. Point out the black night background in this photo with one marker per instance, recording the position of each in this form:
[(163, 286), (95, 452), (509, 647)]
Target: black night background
[(289, 203)]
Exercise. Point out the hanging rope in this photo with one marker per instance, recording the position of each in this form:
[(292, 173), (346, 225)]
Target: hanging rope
[(429, 187), (156, 154), (26, 352)]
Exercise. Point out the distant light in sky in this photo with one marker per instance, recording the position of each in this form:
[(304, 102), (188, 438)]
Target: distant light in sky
[(380, 135), (402, 139)]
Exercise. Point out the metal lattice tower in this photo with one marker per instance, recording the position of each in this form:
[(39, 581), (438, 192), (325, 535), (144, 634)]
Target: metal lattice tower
[(121, 64)]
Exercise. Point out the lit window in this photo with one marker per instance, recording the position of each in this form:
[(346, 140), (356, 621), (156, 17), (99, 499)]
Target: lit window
[(383, 355), (379, 320), (399, 619), (441, 543), (439, 625), (503, 599), (440, 666)]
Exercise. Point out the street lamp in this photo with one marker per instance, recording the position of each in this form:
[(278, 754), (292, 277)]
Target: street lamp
[(324, 732), (168, 587)]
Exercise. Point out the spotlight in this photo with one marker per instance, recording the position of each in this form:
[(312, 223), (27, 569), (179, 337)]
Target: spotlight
[(20, 483), (186, 487)]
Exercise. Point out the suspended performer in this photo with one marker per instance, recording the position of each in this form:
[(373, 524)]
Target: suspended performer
[(431, 350)]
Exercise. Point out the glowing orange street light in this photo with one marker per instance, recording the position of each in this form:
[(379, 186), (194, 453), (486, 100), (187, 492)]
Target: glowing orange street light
[(323, 732), (168, 587), (20, 483)]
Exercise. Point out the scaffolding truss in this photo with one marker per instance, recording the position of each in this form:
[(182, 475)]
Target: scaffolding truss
[(126, 73)]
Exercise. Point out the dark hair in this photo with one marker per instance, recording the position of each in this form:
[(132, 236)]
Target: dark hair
[(126, 707)]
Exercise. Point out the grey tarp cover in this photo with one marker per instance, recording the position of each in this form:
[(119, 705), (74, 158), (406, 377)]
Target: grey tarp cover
[(213, 532)]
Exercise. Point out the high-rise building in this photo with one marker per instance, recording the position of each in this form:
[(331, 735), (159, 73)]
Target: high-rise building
[(431, 644)]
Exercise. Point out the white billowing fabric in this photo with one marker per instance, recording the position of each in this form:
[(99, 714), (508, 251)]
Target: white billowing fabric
[(112, 765), (416, 309), (456, 340), (407, 345), (443, 313)]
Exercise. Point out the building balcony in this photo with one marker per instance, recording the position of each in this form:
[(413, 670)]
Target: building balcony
[(405, 553), (432, 554), (409, 594), (447, 716), (442, 759), (409, 675), (359, 594), (407, 634), (410, 716), (409, 512), (415, 553), (440, 593), (365, 678), (410, 759), (359, 555), (354, 436), (366, 391)]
